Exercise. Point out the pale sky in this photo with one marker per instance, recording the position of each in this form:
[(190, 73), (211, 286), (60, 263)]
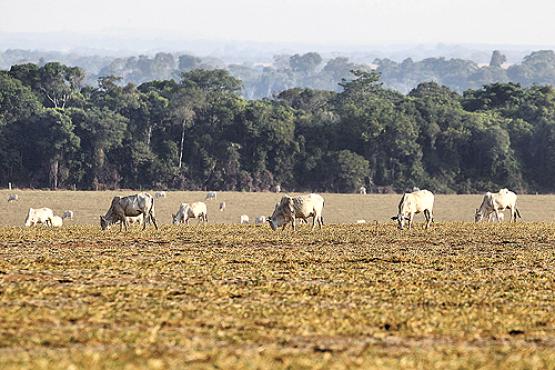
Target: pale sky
[(362, 22)]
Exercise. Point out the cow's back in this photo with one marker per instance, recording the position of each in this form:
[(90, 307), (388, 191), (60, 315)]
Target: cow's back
[(308, 205), (417, 201)]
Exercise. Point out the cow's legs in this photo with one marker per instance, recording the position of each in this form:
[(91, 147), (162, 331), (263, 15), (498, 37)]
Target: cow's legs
[(153, 219), (313, 222), (428, 217), (293, 223)]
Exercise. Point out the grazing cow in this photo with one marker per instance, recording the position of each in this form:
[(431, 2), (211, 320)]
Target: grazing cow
[(130, 206), (39, 216), (362, 190), (496, 218), (244, 219), (187, 211), (496, 202), (361, 221), (211, 195), (413, 203), (56, 221), (139, 220), (301, 207), (68, 215), (222, 206), (160, 194), (13, 198), (259, 220)]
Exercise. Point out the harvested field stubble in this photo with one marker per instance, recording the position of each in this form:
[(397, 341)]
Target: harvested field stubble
[(459, 296)]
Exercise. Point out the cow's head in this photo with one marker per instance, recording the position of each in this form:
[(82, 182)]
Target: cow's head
[(282, 214), (478, 215), (105, 224), (175, 221), (29, 218), (401, 220)]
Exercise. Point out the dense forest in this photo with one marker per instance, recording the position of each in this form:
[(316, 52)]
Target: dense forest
[(308, 70), (198, 132)]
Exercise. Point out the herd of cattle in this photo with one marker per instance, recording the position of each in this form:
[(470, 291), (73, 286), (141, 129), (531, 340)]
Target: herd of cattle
[(139, 209)]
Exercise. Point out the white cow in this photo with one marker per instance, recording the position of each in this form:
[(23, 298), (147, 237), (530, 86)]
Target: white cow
[(259, 220), (277, 188), (211, 195), (496, 203), (68, 215), (244, 219), (301, 207), (56, 221), (493, 218), (362, 190), (13, 198), (38, 216), (160, 194), (187, 211), (413, 203), (222, 206), (139, 220), (361, 221)]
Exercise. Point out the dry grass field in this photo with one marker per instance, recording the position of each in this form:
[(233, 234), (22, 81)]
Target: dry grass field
[(370, 296)]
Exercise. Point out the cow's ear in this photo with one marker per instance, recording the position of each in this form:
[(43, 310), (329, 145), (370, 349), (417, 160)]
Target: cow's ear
[(394, 218)]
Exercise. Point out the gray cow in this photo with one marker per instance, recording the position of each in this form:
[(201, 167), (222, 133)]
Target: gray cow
[(130, 206)]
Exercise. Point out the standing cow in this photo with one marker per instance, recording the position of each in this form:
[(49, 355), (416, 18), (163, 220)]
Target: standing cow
[(413, 203), (130, 206), (496, 203), (187, 211), (211, 195), (301, 207)]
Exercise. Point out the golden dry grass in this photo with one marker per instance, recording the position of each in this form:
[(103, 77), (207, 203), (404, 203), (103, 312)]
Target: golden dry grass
[(227, 296)]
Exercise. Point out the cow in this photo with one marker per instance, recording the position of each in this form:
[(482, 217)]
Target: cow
[(160, 194), (362, 190), (211, 195), (496, 218), (300, 207), (277, 188), (413, 203), (56, 221), (130, 206), (68, 215), (361, 222), (39, 216), (13, 198), (496, 202), (222, 206), (187, 211), (260, 220), (139, 220), (244, 219)]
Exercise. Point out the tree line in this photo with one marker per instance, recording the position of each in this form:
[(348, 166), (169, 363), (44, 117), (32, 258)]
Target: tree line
[(197, 133)]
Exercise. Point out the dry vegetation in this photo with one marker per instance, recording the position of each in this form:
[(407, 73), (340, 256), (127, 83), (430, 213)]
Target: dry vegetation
[(229, 296)]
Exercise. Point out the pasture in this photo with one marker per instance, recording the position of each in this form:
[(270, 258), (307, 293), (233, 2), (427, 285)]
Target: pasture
[(461, 295)]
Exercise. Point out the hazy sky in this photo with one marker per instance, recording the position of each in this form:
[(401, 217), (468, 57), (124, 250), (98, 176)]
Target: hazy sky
[(303, 21)]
